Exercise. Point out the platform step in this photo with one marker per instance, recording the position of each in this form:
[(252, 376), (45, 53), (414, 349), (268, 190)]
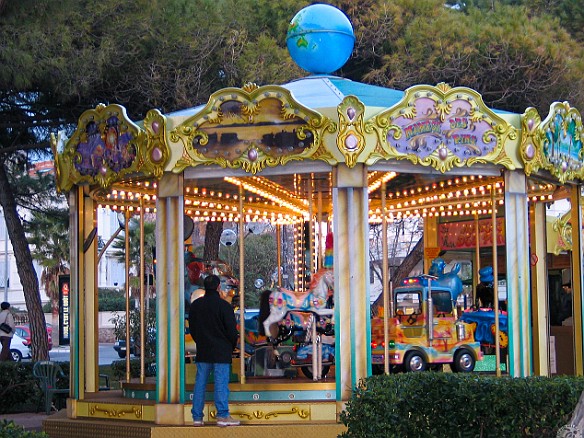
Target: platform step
[(59, 426)]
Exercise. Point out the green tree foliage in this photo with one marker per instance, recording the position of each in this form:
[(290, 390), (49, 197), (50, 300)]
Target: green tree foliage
[(260, 262), (119, 245), (513, 60)]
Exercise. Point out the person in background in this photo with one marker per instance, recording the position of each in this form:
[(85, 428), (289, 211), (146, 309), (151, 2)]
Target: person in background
[(566, 301), (6, 338), (214, 329)]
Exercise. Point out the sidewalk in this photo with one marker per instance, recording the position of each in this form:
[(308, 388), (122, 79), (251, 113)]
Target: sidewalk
[(28, 420)]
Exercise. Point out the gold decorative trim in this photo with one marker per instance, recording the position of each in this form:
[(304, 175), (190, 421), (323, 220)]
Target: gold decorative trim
[(261, 415), (96, 410), (559, 142), (563, 227), (107, 147), (351, 137), (157, 152), (441, 127), (274, 129), (529, 150)]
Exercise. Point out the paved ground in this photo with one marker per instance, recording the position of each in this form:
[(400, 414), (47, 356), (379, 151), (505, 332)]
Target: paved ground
[(28, 420)]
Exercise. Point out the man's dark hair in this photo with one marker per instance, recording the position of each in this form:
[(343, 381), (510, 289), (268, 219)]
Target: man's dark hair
[(212, 282), (5, 305)]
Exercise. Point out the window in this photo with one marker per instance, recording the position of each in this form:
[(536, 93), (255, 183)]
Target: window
[(408, 303), (442, 301)]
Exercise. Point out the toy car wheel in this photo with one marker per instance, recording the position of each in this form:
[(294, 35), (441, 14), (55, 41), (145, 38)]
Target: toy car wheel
[(415, 362), (307, 371), (16, 355), (464, 362), (286, 359)]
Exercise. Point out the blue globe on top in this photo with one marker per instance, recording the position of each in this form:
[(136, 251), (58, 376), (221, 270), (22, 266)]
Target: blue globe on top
[(320, 39)]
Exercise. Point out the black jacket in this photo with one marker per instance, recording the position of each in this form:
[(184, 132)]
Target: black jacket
[(213, 327)]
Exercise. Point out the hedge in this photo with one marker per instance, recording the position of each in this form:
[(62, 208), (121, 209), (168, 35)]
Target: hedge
[(460, 405), (9, 429)]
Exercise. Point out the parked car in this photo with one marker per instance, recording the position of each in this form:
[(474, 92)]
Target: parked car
[(24, 332), (120, 347), (18, 348)]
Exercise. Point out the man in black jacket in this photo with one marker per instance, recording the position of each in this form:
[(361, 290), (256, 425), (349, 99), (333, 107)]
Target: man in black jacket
[(214, 330)]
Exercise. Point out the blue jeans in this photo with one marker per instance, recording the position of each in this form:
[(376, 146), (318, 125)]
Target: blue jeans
[(221, 373)]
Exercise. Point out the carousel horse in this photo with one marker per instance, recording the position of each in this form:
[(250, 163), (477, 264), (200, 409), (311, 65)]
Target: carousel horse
[(275, 305), (450, 280)]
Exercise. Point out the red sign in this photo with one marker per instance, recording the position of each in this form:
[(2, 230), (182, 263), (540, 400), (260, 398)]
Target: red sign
[(460, 235)]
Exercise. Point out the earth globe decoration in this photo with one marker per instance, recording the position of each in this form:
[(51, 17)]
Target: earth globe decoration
[(320, 39)]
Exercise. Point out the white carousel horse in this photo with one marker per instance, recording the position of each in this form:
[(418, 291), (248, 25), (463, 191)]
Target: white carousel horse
[(281, 301)]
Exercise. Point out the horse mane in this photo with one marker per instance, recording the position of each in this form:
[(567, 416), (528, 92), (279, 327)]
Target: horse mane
[(317, 277)]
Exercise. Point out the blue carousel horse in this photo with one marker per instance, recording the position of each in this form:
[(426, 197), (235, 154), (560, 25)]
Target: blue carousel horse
[(275, 305), (450, 280)]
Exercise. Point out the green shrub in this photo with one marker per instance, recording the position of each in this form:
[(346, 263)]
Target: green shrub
[(114, 300), (460, 405), (17, 386), (8, 429), (118, 369)]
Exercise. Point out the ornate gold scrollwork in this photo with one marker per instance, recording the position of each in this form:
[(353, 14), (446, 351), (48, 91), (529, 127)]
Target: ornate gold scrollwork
[(251, 128), (114, 412), (441, 127), (107, 146), (261, 415), (559, 142), (530, 149), (563, 227), (351, 138)]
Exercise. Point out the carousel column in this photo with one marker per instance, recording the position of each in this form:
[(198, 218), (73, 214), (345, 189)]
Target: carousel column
[(430, 239), (83, 304), (170, 307), (351, 268), (577, 279), (539, 289), (518, 285)]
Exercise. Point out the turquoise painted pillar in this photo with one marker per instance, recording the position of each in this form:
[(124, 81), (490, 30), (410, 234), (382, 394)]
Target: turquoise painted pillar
[(351, 268), (170, 308), (518, 282)]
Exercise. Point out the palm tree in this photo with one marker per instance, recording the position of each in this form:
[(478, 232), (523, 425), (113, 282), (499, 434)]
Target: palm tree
[(48, 235), (119, 253)]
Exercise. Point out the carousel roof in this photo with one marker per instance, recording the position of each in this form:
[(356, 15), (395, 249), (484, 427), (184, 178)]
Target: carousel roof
[(321, 91)]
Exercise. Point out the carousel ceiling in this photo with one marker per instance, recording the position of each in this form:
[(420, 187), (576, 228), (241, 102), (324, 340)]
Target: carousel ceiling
[(294, 197)]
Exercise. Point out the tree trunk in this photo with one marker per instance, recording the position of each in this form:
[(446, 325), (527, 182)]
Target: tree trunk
[(26, 272), (403, 271), (213, 232)]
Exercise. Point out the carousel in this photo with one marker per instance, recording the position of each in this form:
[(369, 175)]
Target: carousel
[(320, 156)]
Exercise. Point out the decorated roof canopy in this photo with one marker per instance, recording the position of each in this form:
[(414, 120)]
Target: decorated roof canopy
[(279, 143)]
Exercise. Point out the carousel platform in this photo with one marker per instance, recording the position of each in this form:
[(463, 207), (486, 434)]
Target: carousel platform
[(59, 426), (297, 408)]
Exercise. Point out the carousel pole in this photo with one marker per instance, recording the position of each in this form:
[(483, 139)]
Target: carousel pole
[(279, 252), (385, 273), (321, 246), (311, 229), (142, 319), (241, 290), (477, 256), (495, 282), (127, 288)]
